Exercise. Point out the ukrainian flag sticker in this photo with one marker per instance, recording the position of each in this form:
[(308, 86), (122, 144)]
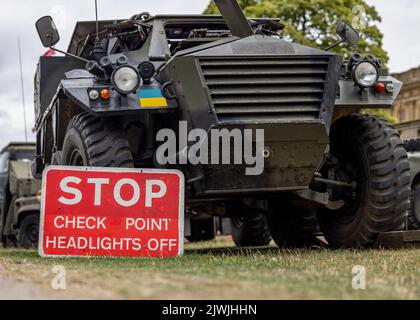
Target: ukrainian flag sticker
[(151, 98)]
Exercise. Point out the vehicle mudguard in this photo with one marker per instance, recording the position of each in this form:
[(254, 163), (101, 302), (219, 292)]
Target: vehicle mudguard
[(18, 208), (78, 83), (350, 95)]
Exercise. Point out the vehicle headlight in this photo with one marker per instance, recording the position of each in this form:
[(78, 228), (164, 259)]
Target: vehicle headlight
[(365, 74), (125, 79)]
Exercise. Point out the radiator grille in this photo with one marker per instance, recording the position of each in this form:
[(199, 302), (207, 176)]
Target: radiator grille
[(275, 88)]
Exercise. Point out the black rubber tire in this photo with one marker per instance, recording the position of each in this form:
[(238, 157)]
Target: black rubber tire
[(374, 148), (413, 221), (293, 227), (414, 212), (412, 145), (250, 230), (92, 141), (29, 231), (202, 230)]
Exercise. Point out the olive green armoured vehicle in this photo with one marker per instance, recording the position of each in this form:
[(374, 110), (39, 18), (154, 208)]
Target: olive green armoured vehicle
[(19, 201), (122, 82)]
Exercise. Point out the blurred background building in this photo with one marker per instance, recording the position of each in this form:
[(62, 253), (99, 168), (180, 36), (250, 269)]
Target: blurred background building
[(407, 107)]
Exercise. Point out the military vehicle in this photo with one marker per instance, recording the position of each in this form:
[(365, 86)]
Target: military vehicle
[(19, 203), (413, 149), (121, 82)]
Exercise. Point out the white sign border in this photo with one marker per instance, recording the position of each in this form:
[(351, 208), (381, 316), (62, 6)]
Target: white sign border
[(181, 212)]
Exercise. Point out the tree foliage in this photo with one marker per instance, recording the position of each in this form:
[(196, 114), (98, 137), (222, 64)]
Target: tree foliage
[(385, 114), (313, 22)]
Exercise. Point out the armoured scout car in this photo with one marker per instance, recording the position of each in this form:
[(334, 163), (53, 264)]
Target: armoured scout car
[(19, 203), (121, 82)]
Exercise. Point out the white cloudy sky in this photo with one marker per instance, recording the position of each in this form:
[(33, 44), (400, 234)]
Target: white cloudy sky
[(17, 18)]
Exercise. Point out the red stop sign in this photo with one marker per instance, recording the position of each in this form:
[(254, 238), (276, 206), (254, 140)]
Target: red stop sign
[(111, 212)]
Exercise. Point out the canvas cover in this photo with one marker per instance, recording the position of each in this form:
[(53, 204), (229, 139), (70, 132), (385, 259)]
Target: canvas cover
[(22, 184)]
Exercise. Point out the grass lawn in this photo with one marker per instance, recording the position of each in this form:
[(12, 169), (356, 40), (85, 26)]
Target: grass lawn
[(216, 270)]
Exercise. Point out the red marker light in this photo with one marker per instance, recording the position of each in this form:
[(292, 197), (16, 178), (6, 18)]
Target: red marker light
[(380, 87)]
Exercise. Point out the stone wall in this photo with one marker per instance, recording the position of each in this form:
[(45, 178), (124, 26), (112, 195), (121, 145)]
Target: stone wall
[(407, 106)]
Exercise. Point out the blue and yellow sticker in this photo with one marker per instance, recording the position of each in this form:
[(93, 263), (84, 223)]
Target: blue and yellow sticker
[(151, 98)]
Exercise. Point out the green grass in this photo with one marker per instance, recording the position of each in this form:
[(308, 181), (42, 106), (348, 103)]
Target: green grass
[(216, 270)]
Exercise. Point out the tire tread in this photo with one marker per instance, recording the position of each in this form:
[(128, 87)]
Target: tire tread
[(105, 143)]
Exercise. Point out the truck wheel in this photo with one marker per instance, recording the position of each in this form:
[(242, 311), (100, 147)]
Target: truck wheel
[(29, 231), (412, 145), (293, 227), (202, 230), (369, 152), (91, 141), (250, 230), (414, 212)]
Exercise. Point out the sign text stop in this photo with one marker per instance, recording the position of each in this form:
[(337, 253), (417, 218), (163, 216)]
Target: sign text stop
[(111, 212)]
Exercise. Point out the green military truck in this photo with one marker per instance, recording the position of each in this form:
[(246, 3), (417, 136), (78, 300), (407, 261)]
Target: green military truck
[(121, 82), (19, 201)]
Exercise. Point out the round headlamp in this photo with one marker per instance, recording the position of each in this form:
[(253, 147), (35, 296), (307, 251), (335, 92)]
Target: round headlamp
[(365, 74), (125, 79)]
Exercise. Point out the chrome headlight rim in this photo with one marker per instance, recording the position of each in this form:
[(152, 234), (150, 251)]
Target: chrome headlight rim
[(358, 81), (114, 84)]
